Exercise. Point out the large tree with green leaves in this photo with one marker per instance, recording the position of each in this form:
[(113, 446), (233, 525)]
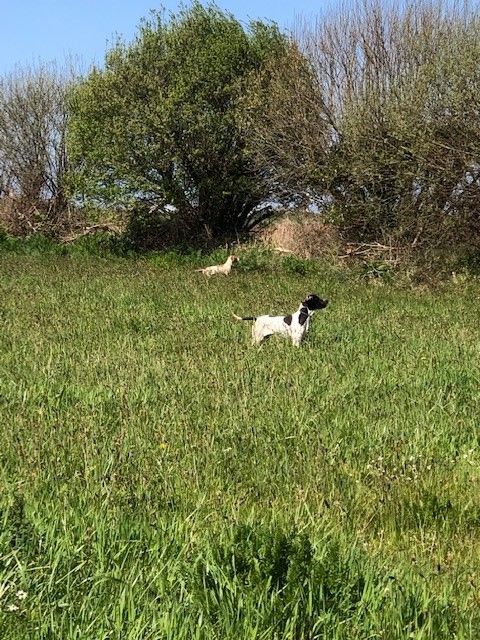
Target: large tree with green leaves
[(159, 123)]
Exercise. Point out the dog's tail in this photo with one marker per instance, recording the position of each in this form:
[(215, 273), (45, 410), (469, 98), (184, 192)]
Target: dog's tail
[(200, 270), (245, 318)]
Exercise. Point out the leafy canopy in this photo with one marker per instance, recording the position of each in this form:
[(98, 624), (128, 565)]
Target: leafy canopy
[(159, 124)]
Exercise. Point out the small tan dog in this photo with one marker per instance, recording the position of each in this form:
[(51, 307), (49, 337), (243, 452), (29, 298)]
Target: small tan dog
[(223, 269)]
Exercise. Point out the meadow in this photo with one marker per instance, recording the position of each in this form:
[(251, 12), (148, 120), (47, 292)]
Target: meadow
[(160, 478)]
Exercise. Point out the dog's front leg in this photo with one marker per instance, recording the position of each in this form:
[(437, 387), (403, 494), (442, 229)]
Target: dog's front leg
[(297, 336)]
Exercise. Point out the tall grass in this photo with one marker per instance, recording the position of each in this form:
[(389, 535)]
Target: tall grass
[(160, 478)]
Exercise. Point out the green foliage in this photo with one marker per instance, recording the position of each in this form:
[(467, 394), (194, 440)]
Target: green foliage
[(175, 258), (329, 589), (295, 265), (36, 244), (100, 244), (160, 121), (255, 258), (377, 270)]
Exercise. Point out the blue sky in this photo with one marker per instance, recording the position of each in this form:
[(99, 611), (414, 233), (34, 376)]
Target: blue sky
[(47, 30)]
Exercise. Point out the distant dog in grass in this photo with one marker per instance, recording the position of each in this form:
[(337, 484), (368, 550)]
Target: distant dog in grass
[(223, 269), (294, 326)]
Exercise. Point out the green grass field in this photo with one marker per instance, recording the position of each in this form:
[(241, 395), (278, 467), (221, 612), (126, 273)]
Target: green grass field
[(161, 478)]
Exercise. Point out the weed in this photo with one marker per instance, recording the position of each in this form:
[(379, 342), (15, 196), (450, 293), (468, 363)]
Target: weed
[(296, 266)]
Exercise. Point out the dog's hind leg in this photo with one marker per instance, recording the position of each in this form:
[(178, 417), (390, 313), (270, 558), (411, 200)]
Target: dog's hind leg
[(259, 335)]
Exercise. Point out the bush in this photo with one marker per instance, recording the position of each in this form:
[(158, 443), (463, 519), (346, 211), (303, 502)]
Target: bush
[(296, 266), (255, 258), (36, 244)]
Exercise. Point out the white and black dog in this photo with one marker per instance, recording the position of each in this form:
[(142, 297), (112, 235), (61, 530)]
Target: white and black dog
[(294, 326)]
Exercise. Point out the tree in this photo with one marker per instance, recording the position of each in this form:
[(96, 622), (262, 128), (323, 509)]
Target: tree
[(33, 160), (157, 128), (401, 85), (287, 128)]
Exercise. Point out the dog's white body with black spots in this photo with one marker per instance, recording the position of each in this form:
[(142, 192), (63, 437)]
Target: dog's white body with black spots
[(294, 326)]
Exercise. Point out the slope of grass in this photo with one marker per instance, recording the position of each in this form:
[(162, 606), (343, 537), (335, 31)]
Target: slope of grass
[(160, 478)]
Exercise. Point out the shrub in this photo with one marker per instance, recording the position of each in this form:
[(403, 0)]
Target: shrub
[(296, 266)]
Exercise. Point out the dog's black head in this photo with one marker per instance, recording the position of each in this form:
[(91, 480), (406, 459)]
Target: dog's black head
[(313, 302)]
